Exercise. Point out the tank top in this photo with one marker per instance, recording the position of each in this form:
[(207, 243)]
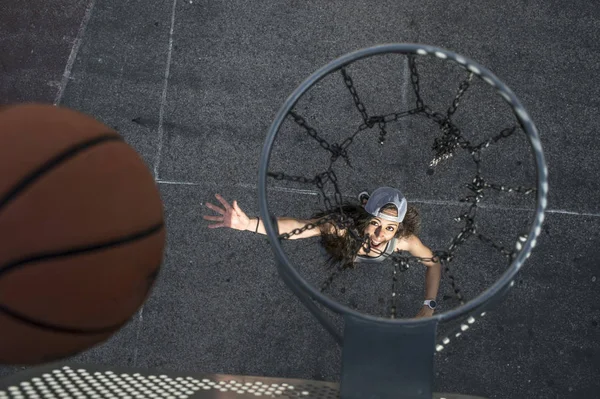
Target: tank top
[(389, 249)]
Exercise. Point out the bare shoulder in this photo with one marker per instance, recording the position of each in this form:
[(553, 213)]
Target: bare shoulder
[(409, 243)]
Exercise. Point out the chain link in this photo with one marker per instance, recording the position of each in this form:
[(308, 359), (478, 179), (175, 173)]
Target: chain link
[(335, 149), (451, 138), (368, 121), (393, 307), (506, 189), (505, 133), (444, 146), (414, 80), (309, 226), (357, 102)]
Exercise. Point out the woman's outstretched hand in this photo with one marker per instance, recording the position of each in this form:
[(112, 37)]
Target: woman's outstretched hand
[(231, 216)]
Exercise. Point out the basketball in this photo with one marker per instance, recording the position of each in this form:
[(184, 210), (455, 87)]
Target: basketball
[(81, 233)]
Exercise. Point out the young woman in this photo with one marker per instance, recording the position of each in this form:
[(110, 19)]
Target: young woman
[(385, 219)]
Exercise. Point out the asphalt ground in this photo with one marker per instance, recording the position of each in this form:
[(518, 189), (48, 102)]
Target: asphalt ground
[(194, 87)]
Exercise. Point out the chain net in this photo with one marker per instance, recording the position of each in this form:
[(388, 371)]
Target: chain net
[(449, 141)]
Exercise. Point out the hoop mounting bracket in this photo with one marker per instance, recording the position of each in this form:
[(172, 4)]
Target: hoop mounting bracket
[(382, 361)]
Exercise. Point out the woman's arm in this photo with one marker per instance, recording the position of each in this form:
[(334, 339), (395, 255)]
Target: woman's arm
[(433, 275), (287, 225), (234, 218)]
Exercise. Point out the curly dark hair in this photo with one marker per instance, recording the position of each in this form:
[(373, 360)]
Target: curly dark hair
[(343, 247)]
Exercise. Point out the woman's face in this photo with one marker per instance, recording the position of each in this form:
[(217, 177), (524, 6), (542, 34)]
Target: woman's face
[(380, 231)]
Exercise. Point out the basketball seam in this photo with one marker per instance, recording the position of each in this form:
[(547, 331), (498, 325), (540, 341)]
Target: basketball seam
[(70, 330), (30, 179), (52, 163), (81, 249), (56, 328), (72, 252)]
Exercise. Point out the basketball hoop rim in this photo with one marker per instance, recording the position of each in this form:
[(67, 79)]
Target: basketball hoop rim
[(531, 132)]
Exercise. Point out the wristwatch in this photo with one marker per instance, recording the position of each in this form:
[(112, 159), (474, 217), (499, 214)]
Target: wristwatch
[(431, 303)]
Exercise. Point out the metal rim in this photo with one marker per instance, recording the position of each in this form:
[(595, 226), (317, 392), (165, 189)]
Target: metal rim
[(422, 50)]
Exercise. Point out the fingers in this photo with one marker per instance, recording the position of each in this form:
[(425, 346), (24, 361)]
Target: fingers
[(215, 208), (223, 202), (228, 213), (213, 218), (215, 226), (237, 208)]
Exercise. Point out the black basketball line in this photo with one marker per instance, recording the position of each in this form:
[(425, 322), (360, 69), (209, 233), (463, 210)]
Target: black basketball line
[(73, 330), (54, 162), (30, 179), (79, 250), (56, 328), (72, 252)]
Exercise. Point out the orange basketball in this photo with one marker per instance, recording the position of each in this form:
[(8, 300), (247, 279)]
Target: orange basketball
[(81, 233)]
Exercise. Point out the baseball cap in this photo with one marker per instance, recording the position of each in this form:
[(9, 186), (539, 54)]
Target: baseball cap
[(383, 196)]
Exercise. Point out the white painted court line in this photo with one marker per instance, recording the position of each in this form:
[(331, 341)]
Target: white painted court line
[(177, 183), (417, 201), (282, 189), (506, 208), (163, 100), (158, 156), (74, 50), (243, 185), (565, 212), (138, 330)]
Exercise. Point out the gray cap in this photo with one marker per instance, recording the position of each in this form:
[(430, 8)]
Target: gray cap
[(383, 196)]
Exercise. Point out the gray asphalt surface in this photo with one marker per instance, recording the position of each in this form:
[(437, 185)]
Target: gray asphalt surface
[(193, 86)]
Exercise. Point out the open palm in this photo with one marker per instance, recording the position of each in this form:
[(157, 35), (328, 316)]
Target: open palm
[(231, 216)]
